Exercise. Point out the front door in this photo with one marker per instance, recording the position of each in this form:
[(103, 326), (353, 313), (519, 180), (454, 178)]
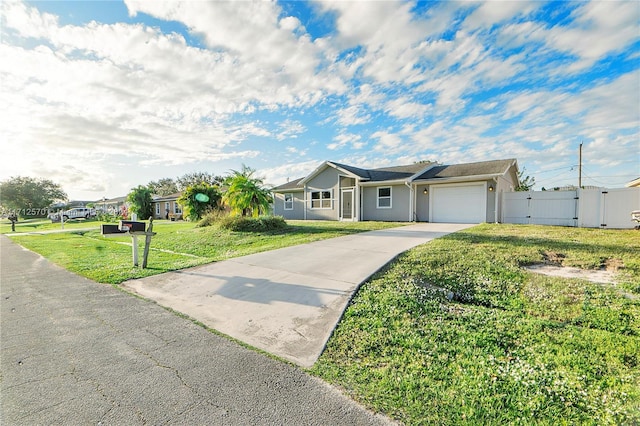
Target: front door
[(346, 209)]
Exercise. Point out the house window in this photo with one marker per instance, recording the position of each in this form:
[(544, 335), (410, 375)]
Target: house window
[(288, 201), (157, 208), (166, 208), (176, 208), (321, 199), (384, 197), (347, 182)]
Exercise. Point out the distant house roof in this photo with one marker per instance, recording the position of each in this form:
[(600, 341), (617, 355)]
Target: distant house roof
[(411, 172), (112, 200), (170, 197), (634, 183)]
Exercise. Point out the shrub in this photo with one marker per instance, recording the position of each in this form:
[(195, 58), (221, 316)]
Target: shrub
[(108, 217), (252, 224), (212, 217), (193, 207)]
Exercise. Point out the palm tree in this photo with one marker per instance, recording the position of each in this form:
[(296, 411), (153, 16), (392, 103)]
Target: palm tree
[(245, 193)]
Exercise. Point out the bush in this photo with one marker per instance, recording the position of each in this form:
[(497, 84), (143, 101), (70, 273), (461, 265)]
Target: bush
[(212, 217), (252, 224), (108, 217)]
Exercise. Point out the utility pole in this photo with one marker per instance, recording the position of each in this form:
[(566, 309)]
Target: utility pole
[(580, 168)]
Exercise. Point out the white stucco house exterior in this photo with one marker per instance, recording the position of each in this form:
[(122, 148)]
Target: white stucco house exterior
[(422, 192)]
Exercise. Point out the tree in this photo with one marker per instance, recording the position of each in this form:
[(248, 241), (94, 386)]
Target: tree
[(29, 197), (525, 183), (197, 178), (245, 193), (198, 199), (162, 187), (141, 202)]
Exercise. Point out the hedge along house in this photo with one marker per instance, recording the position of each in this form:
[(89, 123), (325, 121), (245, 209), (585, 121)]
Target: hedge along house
[(424, 192)]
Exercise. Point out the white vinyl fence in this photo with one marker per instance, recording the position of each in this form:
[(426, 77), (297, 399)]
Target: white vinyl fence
[(588, 208)]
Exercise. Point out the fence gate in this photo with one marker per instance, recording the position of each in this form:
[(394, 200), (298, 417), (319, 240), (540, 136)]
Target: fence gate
[(541, 208), (589, 208), (608, 208)]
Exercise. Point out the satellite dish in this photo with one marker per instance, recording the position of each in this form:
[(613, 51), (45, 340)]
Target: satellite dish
[(203, 198)]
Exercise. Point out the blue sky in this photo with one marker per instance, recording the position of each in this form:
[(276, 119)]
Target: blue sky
[(103, 96)]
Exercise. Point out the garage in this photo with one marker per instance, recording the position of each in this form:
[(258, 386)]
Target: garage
[(458, 203)]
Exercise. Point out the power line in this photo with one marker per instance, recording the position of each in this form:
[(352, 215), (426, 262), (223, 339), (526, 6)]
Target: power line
[(555, 176), (622, 182), (553, 170)]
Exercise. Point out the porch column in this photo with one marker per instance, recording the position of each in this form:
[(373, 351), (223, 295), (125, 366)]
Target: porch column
[(356, 201)]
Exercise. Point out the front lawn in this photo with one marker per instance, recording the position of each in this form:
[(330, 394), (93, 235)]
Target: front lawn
[(43, 224), (457, 332), (177, 245)]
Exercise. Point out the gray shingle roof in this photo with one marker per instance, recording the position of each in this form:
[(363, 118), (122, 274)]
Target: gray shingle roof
[(362, 173), (385, 173), (294, 184), (495, 167), (397, 172)]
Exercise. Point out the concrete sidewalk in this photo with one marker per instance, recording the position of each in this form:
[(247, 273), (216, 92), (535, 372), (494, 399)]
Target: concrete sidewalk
[(287, 301), (77, 352)]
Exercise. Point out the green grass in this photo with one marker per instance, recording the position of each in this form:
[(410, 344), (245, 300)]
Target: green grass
[(177, 245), (457, 332), (38, 225)]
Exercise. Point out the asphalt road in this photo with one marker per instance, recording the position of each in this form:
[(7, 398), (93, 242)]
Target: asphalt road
[(77, 352)]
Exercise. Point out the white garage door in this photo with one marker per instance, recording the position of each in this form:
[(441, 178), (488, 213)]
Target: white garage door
[(463, 203)]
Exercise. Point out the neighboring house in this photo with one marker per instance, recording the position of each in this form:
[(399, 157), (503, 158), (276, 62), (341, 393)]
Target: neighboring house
[(112, 205), (634, 183), (425, 192), (167, 207)]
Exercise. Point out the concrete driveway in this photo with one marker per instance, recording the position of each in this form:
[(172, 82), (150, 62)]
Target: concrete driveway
[(288, 301)]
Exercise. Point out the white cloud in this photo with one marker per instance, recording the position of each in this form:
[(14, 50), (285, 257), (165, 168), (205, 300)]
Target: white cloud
[(342, 140), (404, 108), (290, 129), (388, 142), (369, 24), (598, 29), (274, 60), (494, 12), (598, 108), (352, 116), (287, 172)]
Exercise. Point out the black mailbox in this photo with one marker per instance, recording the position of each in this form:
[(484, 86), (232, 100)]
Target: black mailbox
[(109, 229), (132, 226)]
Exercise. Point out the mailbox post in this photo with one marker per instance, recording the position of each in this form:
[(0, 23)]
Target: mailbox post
[(134, 229)]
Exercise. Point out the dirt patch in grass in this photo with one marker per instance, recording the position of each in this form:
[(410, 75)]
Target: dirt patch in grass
[(553, 266), (612, 264), (553, 258), (602, 276)]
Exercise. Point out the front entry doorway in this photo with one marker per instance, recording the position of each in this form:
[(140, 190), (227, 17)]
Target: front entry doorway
[(346, 209)]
